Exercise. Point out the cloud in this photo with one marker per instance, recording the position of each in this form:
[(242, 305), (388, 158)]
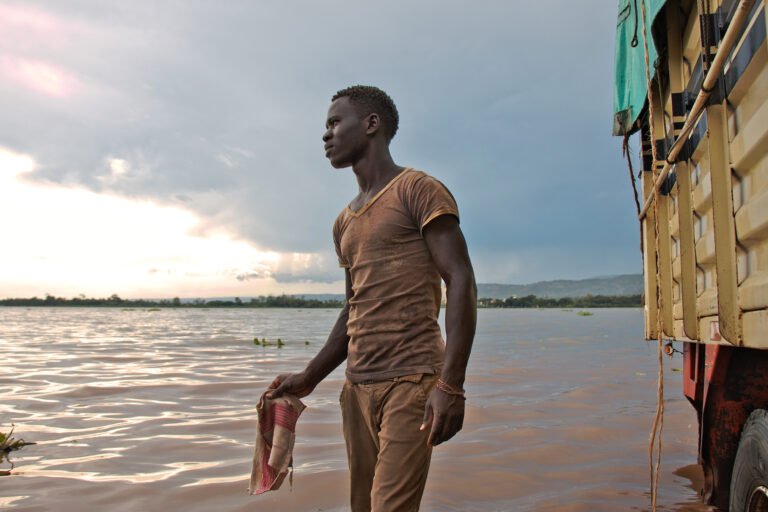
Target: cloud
[(252, 275), (219, 110), (296, 268), (118, 168), (70, 240), (40, 76), (234, 157), (305, 268), (20, 23)]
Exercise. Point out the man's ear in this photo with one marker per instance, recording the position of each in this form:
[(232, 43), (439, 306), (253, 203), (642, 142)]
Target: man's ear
[(374, 123)]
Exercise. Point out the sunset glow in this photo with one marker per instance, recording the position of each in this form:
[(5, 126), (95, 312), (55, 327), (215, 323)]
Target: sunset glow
[(40, 76), (66, 241)]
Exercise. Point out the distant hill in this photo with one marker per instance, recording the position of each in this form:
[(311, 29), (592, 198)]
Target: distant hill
[(627, 284)]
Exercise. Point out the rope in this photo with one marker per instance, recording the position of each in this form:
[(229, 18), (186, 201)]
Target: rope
[(633, 43), (658, 420), (625, 152)]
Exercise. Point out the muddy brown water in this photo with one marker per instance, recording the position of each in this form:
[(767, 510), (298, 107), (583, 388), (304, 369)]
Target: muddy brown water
[(137, 410)]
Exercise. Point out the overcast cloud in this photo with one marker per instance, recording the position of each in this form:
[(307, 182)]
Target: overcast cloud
[(219, 109)]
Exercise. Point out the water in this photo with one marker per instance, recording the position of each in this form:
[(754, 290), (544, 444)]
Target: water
[(154, 411)]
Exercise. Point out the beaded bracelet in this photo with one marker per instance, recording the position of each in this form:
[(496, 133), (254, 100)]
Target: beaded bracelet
[(448, 389)]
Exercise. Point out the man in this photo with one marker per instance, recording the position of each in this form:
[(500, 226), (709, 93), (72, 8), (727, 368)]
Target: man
[(397, 238)]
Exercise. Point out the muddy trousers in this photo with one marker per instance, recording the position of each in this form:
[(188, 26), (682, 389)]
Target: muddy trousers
[(388, 454)]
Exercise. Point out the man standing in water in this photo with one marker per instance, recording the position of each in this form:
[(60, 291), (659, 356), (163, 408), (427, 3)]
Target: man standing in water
[(397, 238)]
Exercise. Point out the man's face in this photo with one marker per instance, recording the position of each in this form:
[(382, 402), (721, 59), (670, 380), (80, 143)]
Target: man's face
[(345, 136)]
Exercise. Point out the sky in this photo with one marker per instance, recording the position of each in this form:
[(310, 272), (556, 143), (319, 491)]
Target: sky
[(161, 149)]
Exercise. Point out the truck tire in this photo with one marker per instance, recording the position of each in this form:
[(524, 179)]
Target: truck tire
[(749, 481)]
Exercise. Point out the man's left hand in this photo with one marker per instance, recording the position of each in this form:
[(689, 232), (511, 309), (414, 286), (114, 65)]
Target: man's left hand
[(446, 415)]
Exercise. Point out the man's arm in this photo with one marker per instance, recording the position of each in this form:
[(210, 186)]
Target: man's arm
[(449, 251), (333, 353)]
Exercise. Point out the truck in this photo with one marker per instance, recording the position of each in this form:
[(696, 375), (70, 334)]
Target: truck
[(691, 81)]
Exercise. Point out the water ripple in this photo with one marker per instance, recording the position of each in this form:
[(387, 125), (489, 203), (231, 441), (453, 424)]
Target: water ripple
[(155, 410)]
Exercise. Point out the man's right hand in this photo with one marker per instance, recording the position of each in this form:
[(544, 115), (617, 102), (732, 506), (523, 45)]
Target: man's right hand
[(295, 384)]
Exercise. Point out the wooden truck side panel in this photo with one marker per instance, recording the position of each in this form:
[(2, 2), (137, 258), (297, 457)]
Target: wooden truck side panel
[(712, 269)]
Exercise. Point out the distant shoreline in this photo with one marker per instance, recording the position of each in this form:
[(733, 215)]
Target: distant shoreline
[(291, 301), (587, 301), (280, 301)]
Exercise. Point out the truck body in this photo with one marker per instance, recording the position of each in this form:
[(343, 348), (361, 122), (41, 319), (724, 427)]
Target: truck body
[(704, 221)]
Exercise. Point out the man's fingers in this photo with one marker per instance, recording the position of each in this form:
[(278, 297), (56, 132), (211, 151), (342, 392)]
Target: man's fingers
[(427, 417), (450, 431), (277, 388), (444, 428), (436, 434), (277, 392), (276, 383)]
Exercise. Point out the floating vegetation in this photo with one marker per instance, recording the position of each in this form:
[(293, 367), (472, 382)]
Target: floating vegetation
[(677, 369), (306, 342), (129, 309), (584, 313), (567, 310), (264, 343), (154, 309), (7, 445)]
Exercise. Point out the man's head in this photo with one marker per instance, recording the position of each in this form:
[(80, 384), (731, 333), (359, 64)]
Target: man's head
[(371, 100), (360, 119)]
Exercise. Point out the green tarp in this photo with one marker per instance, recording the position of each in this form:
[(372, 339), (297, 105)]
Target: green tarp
[(629, 90)]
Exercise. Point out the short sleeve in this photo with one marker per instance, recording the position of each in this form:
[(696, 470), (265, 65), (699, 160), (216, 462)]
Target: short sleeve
[(337, 232), (428, 199)]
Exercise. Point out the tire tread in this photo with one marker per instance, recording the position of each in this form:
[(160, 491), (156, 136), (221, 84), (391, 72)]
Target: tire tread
[(750, 467)]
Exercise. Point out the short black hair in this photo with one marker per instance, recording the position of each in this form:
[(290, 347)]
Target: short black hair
[(368, 100)]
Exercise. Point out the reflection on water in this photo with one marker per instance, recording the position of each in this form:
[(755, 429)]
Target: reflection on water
[(154, 410)]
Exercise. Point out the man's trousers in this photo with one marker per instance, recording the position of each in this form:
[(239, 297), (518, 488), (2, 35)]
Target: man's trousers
[(388, 454)]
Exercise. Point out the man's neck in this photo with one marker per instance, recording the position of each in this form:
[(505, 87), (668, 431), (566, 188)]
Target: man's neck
[(374, 171)]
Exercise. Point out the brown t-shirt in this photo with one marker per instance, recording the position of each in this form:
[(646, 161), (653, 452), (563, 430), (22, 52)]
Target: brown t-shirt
[(396, 292)]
